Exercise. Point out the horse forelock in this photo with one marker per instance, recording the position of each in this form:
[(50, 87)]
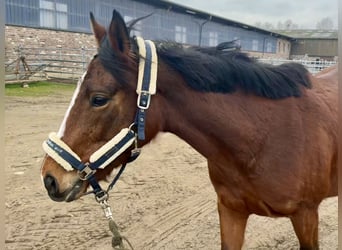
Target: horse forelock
[(113, 62), (72, 102)]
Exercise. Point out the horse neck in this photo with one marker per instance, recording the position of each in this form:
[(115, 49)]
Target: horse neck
[(209, 122)]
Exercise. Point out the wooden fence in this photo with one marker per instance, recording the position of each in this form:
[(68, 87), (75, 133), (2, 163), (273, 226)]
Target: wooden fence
[(29, 64)]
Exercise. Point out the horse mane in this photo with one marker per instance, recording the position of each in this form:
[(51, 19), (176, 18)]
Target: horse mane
[(220, 69), (223, 69)]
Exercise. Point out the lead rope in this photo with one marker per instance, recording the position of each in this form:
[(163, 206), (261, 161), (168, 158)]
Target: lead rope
[(102, 198), (117, 239)]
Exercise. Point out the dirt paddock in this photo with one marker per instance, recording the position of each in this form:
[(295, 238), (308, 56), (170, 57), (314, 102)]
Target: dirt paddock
[(164, 200)]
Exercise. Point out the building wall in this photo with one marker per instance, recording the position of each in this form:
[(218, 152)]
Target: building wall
[(322, 48), (283, 48), (166, 24)]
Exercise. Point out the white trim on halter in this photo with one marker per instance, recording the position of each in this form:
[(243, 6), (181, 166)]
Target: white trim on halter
[(154, 66), (104, 149), (54, 155), (95, 156)]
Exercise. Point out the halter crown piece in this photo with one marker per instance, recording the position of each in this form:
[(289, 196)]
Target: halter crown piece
[(69, 160)]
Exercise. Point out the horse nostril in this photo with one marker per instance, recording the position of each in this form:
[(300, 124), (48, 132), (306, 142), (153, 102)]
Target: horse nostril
[(51, 184)]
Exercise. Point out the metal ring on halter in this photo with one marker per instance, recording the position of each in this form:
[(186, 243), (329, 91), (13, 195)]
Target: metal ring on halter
[(131, 126), (136, 149), (102, 197), (86, 172)]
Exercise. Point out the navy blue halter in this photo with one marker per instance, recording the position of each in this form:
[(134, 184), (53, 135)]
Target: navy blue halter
[(145, 97), (87, 170)]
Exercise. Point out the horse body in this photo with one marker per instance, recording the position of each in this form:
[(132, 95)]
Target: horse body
[(271, 156)]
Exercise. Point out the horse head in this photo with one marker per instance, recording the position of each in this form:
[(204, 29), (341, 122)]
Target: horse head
[(99, 130)]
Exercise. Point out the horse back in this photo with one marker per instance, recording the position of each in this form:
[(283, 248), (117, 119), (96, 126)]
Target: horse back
[(325, 89)]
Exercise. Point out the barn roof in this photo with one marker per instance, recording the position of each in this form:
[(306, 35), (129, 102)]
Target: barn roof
[(309, 34), (165, 4)]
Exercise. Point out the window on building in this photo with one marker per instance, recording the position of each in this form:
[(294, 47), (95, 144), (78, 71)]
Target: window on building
[(255, 44), (61, 16), (180, 34), (53, 15), (213, 38), (47, 18), (269, 47)]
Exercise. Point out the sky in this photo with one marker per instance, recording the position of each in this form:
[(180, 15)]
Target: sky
[(305, 13)]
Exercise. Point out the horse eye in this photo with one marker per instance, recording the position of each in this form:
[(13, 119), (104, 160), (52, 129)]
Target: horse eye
[(98, 101)]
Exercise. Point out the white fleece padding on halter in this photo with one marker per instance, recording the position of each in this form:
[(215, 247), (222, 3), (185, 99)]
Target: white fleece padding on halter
[(55, 138), (95, 156), (154, 65), (115, 140)]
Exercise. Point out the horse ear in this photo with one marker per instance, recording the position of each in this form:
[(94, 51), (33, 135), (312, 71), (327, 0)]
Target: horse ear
[(118, 34), (98, 30)]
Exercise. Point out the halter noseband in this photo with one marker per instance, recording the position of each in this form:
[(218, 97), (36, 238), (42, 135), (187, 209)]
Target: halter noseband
[(69, 160)]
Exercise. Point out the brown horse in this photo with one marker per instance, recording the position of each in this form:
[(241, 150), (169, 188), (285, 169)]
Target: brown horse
[(269, 133)]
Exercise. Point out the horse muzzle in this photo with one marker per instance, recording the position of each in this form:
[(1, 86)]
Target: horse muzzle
[(70, 194)]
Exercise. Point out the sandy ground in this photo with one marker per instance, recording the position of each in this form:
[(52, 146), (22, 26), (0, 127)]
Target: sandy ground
[(164, 200)]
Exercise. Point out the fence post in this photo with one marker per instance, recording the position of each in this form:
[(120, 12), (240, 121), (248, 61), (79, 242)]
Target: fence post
[(83, 58), (20, 54), (60, 62)]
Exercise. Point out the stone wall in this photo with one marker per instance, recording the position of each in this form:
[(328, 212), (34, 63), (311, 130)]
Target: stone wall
[(43, 38)]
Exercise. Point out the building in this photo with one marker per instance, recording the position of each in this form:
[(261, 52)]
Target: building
[(28, 20), (314, 44)]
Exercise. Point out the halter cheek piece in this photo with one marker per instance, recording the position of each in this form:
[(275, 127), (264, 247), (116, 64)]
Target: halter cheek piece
[(69, 160)]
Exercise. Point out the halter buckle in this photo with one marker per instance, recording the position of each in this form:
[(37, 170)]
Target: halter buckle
[(86, 172), (144, 99)]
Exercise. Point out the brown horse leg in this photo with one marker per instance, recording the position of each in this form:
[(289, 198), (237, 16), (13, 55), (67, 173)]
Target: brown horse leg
[(232, 225), (305, 224)]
